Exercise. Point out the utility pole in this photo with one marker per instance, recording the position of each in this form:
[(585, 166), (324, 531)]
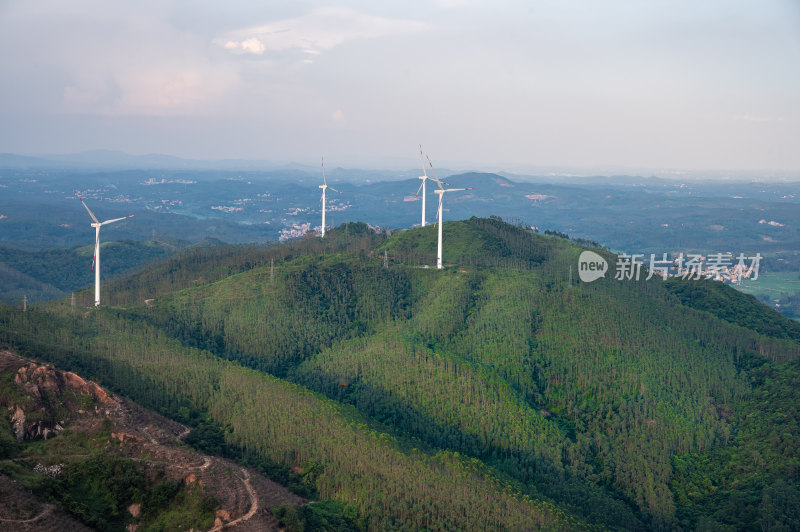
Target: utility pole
[(570, 275), (271, 271), (385, 259)]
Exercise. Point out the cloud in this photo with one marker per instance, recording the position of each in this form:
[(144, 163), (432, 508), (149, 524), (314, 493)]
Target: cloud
[(251, 45), (122, 61), (157, 88), (320, 29)]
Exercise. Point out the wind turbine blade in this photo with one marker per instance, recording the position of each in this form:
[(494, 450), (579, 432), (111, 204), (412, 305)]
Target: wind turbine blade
[(435, 177), (117, 219), (422, 159), (324, 181), (87, 208), (420, 188), (331, 188)]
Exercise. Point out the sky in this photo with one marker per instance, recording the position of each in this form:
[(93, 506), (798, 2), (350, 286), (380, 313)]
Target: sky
[(661, 84)]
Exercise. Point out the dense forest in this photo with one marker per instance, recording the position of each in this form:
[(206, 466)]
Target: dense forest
[(497, 393), (53, 273)]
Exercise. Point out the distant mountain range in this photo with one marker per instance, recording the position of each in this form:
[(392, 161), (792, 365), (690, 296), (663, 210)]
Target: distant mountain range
[(378, 168), (39, 211)]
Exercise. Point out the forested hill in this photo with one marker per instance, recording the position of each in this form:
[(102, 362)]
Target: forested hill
[(50, 274), (494, 394)]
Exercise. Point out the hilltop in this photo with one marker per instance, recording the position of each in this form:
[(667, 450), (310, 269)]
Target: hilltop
[(494, 394)]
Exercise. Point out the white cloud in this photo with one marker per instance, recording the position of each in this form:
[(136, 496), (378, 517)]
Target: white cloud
[(321, 29), (251, 45)]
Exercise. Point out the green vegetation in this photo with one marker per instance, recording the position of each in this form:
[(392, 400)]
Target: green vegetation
[(328, 516), (97, 487), (779, 290), (489, 395), (773, 283), (99, 491), (752, 482), (94, 483), (209, 437), (53, 273), (346, 460), (170, 506), (733, 306), (8, 444)]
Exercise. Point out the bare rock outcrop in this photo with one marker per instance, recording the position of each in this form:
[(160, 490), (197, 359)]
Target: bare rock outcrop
[(47, 406)]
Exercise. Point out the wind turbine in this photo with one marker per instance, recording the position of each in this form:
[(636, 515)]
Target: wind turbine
[(96, 259), (324, 186), (424, 178), (441, 192)]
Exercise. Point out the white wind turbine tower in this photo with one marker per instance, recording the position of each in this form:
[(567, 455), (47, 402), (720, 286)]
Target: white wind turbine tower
[(324, 186), (96, 259), (441, 192)]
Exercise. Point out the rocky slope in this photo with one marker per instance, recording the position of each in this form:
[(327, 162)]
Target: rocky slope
[(42, 403)]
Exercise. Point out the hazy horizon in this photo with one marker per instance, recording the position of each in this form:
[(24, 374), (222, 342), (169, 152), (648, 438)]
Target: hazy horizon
[(395, 168)]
